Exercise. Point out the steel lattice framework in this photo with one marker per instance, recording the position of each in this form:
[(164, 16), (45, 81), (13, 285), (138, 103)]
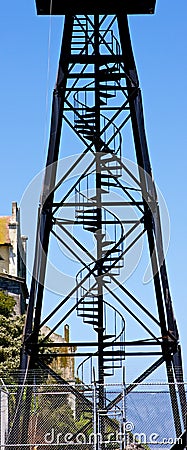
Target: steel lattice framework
[(97, 96)]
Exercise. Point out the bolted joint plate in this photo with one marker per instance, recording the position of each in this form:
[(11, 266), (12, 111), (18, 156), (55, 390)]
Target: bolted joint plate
[(61, 7)]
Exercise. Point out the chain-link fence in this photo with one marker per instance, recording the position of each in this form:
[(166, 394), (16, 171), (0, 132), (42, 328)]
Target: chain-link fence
[(75, 416)]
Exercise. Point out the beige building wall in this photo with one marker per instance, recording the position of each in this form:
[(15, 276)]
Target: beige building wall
[(13, 259), (12, 244), (4, 258), (63, 365)]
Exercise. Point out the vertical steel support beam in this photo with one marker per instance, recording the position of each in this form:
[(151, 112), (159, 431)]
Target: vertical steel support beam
[(45, 221), (148, 189)]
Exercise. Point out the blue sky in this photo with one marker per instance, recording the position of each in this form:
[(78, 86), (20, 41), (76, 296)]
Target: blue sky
[(27, 77)]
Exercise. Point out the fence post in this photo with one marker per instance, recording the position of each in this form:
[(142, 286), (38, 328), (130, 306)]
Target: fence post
[(95, 424), (3, 417)]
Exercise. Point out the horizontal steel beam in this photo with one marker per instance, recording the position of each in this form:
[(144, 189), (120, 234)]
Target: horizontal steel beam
[(91, 344)]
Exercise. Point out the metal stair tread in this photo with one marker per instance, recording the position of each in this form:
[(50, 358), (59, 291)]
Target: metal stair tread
[(106, 86), (85, 120), (114, 273), (88, 295), (112, 250), (106, 95), (108, 367), (117, 167), (104, 183), (88, 220), (88, 116), (84, 126), (90, 316), (108, 158), (108, 69), (88, 137), (102, 191), (93, 230), (86, 131), (105, 175), (89, 303), (108, 336), (91, 322), (114, 267), (113, 359), (108, 151), (102, 102), (106, 243), (90, 108), (111, 258), (109, 76), (84, 210), (86, 217), (87, 309), (90, 210)]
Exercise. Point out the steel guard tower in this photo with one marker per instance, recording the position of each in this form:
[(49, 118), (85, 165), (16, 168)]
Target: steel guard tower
[(98, 98)]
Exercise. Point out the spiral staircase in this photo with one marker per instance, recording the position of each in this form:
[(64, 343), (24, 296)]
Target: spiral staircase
[(109, 168)]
